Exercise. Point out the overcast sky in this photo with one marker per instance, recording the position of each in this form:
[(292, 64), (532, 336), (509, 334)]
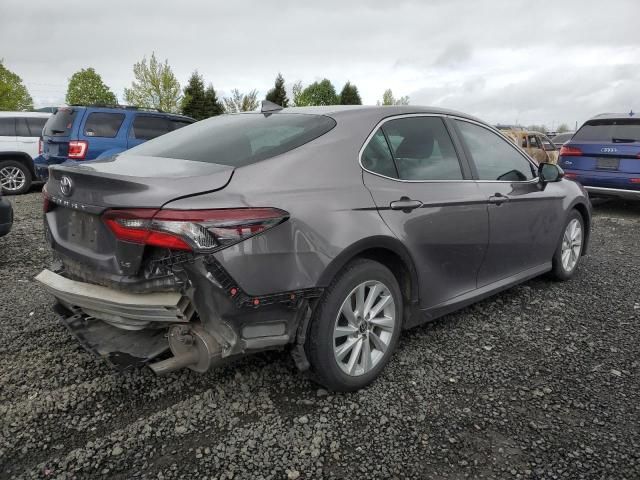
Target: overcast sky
[(502, 60)]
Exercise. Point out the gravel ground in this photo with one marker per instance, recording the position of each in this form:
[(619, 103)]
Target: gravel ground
[(538, 382)]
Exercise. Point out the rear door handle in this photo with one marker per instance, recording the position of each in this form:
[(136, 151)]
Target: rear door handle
[(498, 198), (405, 204)]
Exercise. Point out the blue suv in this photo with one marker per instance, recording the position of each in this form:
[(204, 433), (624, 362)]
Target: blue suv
[(77, 133), (604, 156)]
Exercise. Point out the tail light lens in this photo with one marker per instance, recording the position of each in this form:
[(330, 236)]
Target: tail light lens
[(566, 151), (78, 149), (39, 146), (46, 202), (193, 230)]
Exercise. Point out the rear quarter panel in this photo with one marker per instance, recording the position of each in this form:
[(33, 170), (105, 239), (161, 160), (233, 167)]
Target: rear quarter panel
[(320, 185)]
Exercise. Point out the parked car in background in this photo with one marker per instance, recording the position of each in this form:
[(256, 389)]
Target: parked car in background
[(6, 215), (326, 230), (79, 133), (19, 136), (536, 144), (604, 156), (561, 138)]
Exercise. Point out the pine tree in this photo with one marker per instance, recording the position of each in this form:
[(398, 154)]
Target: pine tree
[(212, 104), (278, 94), (350, 95), (193, 101)]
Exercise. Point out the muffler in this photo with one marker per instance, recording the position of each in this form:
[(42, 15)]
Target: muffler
[(192, 348)]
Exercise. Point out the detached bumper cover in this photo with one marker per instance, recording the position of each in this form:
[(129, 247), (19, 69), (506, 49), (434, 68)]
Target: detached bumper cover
[(131, 311)]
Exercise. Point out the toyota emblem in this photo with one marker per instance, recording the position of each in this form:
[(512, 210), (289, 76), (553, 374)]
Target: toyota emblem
[(66, 185)]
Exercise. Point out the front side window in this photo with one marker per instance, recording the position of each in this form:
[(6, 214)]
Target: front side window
[(533, 141), (377, 158), (146, 127), (101, 124), (422, 149), (494, 157)]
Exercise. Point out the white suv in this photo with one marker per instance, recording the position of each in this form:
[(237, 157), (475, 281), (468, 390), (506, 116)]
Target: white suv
[(20, 133)]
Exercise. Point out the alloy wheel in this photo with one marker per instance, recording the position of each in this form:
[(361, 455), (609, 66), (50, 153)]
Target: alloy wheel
[(571, 245), (12, 179), (364, 328)]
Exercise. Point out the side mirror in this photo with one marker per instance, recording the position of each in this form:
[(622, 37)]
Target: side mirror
[(549, 172)]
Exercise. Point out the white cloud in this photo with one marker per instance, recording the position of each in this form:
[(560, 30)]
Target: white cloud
[(501, 60)]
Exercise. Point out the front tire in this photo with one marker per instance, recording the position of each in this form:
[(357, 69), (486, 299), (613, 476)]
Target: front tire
[(569, 251), (15, 177), (355, 327)]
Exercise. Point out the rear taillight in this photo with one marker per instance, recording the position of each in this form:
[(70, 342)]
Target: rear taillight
[(196, 230), (635, 180), (77, 149), (566, 151), (46, 202), (39, 146)]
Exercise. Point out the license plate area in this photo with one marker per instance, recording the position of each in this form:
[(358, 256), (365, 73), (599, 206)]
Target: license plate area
[(607, 163), (83, 229)]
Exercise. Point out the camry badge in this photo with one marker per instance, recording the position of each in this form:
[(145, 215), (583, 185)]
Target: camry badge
[(66, 186)]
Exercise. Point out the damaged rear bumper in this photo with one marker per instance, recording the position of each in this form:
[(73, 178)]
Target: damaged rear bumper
[(129, 311)]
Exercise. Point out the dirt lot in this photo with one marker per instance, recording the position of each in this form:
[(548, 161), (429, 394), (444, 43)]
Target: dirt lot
[(539, 382)]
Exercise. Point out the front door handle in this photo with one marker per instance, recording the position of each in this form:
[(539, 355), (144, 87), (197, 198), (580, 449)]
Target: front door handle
[(405, 204), (498, 198)]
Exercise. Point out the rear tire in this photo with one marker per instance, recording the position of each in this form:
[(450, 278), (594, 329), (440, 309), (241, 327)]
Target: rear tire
[(569, 251), (355, 327), (15, 177)]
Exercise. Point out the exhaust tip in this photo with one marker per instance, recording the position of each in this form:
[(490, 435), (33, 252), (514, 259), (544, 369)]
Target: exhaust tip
[(175, 363)]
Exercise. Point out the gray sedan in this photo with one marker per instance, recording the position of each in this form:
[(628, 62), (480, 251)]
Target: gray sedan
[(323, 230)]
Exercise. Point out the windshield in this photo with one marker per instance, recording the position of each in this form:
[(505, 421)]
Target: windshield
[(623, 130), (238, 140), (60, 123)]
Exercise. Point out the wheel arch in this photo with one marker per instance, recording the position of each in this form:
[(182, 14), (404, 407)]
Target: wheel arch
[(21, 157), (386, 250), (584, 212)]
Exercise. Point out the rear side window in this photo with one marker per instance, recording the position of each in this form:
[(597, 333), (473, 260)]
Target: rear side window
[(238, 140), (377, 158), (494, 157), (623, 130), (22, 129), (101, 124), (146, 127), (36, 124), (422, 149), (60, 123), (7, 127)]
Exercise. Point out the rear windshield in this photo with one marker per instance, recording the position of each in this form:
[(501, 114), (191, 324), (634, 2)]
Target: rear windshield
[(238, 140), (60, 123), (623, 130)]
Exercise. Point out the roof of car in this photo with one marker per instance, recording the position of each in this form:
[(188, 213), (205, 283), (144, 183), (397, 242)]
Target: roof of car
[(124, 108), (614, 116), (25, 114), (380, 111)]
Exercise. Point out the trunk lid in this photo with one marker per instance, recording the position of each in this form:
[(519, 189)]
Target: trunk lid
[(128, 181), (81, 193)]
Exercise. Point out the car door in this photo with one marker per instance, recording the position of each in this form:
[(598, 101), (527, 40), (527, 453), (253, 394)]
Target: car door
[(425, 194), (524, 216), (8, 140), (147, 127), (26, 137)]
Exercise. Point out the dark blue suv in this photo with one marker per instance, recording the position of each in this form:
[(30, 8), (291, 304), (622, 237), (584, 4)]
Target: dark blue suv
[(79, 133), (604, 156)]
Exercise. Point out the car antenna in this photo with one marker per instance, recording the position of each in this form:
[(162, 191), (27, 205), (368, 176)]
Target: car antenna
[(268, 107)]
